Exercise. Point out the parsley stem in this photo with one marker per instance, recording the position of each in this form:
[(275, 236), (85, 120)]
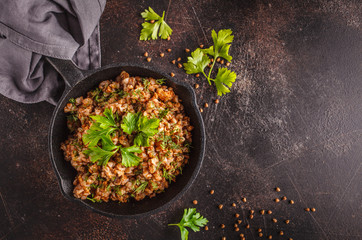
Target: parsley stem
[(212, 66), (206, 76)]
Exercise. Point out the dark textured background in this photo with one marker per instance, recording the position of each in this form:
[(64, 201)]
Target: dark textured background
[(293, 120)]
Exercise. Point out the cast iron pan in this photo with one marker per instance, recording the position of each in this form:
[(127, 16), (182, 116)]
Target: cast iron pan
[(78, 83)]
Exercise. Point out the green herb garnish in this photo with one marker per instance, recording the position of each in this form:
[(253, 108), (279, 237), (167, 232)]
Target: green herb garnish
[(156, 27), (199, 60), (191, 219), (141, 188)]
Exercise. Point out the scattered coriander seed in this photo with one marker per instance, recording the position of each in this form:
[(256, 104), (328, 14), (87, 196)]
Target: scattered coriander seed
[(169, 50), (233, 204), (259, 230), (240, 221), (241, 235), (227, 64), (162, 54), (173, 61), (194, 202), (172, 74), (269, 212), (201, 45), (209, 65), (251, 211), (197, 86), (201, 110), (206, 105), (260, 234), (290, 238), (251, 216), (211, 191), (148, 59), (221, 206), (243, 199), (284, 198), (223, 238), (237, 229), (168, 38), (217, 59), (313, 209), (247, 226), (178, 59), (235, 225), (197, 75), (274, 220), (307, 209), (212, 60), (152, 21), (187, 50), (222, 225), (243, 238), (262, 212), (281, 233), (276, 200), (237, 215), (222, 61), (179, 65), (216, 101), (206, 228), (291, 202), (145, 54), (270, 237), (287, 221), (277, 189)]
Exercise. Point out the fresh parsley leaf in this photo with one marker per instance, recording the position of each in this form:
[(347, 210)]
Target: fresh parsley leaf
[(222, 41), (223, 81), (128, 158), (148, 126), (197, 62), (95, 133), (159, 28), (99, 155), (141, 139), (106, 121), (191, 219), (141, 188), (129, 122)]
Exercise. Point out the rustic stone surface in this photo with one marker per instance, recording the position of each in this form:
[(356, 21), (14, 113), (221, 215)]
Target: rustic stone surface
[(293, 120)]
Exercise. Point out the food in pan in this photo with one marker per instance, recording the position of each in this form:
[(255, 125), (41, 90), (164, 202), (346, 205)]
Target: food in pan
[(129, 138)]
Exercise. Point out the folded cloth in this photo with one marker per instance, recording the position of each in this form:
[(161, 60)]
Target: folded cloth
[(30, 30)]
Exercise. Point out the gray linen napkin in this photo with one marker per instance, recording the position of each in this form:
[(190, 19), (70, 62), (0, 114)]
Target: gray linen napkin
[(29, 30)]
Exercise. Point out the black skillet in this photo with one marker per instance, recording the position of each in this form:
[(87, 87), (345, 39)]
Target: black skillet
[(78, 83)]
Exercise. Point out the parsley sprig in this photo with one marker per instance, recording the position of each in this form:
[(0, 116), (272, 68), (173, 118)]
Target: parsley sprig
[(191, 219), (143, 126), (199, 59), (157, 27)]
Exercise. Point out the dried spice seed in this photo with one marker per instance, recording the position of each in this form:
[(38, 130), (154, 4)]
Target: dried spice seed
[(307, 209), (233, 204), (206, 105), (269, 212), (237, 215), (287, 221), (145, 54), (235, 225), (262, 212), (247, 226), (216, 101), (276, 200), (274, 220), (173, 61), (251, 216), (284, 198), (313, 209), (169, 50), (194, 202), (270, 237), (277, 189), (237, 229), (179, 65), (281, 233), (197, 75), (291, 202), (172, 74), (223, 238), (201, 45), (217, 59), (178, 59), (290, 238), (197, 86), (260, 234), (243, 199), (251, 211), (221, 206), (201, 110), (148, 59), (211, 191), (239, 221), (212, 60), (227, 64), (259, 230), (162, 54), (241, 235), (187, 50), (168, 38), (222, 225), (222, 61), (152, 21), (206, 228)]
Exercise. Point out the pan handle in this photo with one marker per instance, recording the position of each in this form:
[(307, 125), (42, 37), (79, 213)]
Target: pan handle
[(68, 70)]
